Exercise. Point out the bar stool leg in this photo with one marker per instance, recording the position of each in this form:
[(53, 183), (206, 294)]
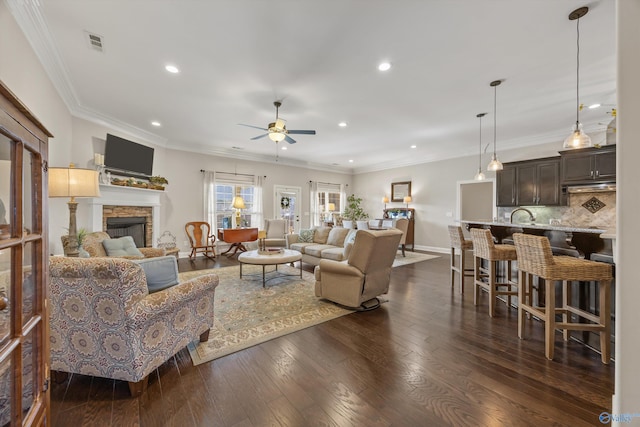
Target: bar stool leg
[(550, 318), (605, 320), (453, 266), (508, 299), (566, 299), (476, 278), (462, 272), (522, 299), (492, 287)]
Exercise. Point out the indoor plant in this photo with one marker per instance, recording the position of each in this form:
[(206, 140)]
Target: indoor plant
[(354, 211)]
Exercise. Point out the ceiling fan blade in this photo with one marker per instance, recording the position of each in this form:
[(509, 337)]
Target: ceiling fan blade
[(251, 126), (258, 137), (289, 139), (302, 132)]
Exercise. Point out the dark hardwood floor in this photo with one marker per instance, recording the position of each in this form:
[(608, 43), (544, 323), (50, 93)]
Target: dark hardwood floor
[(427, 357)]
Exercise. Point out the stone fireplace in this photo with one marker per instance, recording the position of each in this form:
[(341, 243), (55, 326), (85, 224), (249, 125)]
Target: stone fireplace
[(121, 205)]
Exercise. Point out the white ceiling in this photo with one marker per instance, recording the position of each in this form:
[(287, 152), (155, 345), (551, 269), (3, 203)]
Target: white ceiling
[(320, 58)]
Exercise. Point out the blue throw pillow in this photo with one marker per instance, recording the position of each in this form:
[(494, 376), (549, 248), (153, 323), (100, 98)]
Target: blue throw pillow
[(122, 246), (161, 272), (306, 236)]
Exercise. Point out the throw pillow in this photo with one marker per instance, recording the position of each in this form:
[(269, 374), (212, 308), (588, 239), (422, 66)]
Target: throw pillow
[(161, 272), (306, 236), (351, 237), (122, 246)]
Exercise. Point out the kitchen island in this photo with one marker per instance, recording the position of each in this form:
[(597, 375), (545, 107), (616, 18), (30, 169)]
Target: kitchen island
[(565, 240)]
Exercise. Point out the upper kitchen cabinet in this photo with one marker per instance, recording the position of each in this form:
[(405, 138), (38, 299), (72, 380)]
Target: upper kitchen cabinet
[(588, 165), (529, 183)]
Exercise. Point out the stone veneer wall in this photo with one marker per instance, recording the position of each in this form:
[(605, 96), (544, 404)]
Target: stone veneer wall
[(110, 211), (575, 214)]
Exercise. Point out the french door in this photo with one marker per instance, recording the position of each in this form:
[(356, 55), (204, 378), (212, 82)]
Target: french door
[(286, 205)]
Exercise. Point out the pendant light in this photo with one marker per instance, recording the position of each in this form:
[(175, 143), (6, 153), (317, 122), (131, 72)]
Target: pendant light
[(480, 176), (577, 139), (494, 164)]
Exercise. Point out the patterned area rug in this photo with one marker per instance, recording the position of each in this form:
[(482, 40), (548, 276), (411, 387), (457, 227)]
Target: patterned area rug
[(247, 315), (411, 258)]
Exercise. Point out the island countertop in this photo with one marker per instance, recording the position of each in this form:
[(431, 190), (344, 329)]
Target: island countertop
[(564, 239), (539, 226)]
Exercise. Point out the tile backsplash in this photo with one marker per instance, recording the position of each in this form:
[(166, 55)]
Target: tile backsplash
[(577, 214)]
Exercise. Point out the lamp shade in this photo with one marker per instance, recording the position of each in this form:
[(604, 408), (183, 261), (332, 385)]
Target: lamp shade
[(385, 199), (331, 207), (238, 203), (262, 234), (407, 199), (73, 182), (577, 139), (276, 136)]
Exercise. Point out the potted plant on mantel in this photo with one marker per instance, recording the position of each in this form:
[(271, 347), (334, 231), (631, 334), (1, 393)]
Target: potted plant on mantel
[(158, 182), (353, 210)]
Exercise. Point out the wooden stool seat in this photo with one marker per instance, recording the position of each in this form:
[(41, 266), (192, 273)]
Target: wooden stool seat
[(458, 242), (536, 259), (487, 278)]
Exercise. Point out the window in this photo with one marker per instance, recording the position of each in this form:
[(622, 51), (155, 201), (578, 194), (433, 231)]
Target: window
[(329, 201), (225, 213)]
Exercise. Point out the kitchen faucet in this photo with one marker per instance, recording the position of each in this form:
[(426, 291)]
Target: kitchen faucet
[(532, 217)]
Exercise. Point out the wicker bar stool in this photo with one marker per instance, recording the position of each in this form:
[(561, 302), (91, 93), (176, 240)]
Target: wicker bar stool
[(487, 277), (459, 242), (535, 258)]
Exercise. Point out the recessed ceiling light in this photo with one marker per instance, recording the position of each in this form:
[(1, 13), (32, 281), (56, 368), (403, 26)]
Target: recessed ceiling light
[(350, 160), (384, 66), (342, 124), (172, 69), (156, 123), (284, 147), (592, 106), (414, 146)]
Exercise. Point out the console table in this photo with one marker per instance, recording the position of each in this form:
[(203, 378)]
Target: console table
[(236, 237), (397, 213)]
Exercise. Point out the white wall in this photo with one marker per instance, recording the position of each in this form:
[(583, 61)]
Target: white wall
[(434, 190), (21, 71), (627, 383)]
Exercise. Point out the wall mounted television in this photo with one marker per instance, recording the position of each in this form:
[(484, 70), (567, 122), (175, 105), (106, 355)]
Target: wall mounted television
[(128, 158)]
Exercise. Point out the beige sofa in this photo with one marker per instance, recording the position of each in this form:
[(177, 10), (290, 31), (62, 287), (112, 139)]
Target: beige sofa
[(328, 243)]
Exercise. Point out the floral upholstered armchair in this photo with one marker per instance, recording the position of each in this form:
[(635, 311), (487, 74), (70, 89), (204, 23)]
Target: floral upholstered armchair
[(104, 322), (93, 244)]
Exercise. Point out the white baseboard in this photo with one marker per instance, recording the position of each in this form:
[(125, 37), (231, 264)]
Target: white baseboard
[(433, 249)]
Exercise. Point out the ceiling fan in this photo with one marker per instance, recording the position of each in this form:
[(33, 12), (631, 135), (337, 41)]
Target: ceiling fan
[(277, 131)]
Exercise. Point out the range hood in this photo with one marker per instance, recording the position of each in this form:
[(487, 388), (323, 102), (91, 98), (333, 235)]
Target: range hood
[(591, 188)]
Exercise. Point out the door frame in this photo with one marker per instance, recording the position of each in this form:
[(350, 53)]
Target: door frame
[(278, 190)]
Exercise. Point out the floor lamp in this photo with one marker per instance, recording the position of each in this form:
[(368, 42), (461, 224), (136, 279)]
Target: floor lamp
[(73, 182)]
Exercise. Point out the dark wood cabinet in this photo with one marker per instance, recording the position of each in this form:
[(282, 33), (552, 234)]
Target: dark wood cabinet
[(404, 213), (588, 165), (529, 183), (506, 186)]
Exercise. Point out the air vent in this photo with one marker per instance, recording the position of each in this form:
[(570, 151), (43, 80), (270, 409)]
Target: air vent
[(95, 41)]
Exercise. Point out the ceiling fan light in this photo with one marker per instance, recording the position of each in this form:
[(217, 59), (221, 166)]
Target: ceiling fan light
[(276, 136), (495, 164), (577, 139)]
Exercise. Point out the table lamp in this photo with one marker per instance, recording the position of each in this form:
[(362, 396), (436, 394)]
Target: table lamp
[(385, 200), (73, 182), (407, 200), (238, 204), (262, 234)]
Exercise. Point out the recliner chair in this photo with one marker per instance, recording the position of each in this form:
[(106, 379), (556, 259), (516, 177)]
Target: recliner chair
[(366, 273)]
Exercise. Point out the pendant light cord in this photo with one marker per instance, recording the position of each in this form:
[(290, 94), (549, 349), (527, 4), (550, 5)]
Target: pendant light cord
[(577, 71), (480, 148), (495, 96)]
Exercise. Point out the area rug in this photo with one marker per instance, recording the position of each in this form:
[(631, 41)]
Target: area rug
[(246, 314), (411, 258)]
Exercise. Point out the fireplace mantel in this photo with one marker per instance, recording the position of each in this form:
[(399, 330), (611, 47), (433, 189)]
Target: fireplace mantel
[(125, 196)]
